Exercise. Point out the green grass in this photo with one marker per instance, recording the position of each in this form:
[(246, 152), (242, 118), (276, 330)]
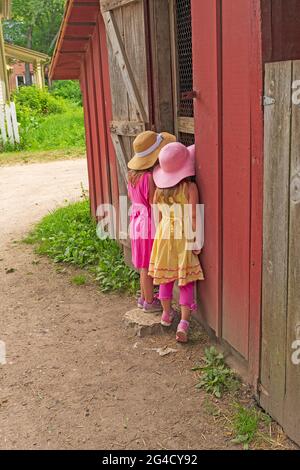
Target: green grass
[(245, 425), (57, 131), (79, 280), (68, 235), (215, 377)]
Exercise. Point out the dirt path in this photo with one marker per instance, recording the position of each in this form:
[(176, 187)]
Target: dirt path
[(27, 192), (75, 377)]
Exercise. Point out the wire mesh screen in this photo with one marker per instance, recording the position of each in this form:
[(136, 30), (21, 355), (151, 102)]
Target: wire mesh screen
[(185, 64), (186, 139), (185, 59)]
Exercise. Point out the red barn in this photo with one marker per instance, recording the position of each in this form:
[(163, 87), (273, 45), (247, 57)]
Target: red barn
[(198, 68)]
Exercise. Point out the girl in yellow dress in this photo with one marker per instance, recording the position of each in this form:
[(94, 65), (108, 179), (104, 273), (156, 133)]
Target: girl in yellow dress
[(175, 253)]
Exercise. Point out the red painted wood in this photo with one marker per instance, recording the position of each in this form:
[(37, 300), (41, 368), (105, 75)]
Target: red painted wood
[(101, 118), (89, 145), (94, 126), (107, 103), (236, 32), (207, 75), (257, 139), (85, 13)]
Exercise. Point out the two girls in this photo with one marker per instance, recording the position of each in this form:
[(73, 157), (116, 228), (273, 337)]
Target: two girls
[(173, 256)]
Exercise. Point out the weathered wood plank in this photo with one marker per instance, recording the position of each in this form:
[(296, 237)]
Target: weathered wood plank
[(125, 67), (108, 5), (136, 51), (121, 155), (127, 128), (118, 94), (186, 124), (275, 239), (161, 65), (291, 412)]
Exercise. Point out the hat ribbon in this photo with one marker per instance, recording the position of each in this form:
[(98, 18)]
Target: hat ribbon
[(152, 148)]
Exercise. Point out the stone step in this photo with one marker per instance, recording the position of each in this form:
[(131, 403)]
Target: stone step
[(144, 324)]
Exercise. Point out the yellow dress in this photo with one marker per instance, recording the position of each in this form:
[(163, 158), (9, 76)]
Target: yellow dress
[(170, 258)]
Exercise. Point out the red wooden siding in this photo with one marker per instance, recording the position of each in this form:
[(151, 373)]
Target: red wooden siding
[(207, 73), (97, 99), (229, 135), (236, 172)]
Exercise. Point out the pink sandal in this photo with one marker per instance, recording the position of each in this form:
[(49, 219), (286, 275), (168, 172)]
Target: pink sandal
[(167, 318), (182, 332)]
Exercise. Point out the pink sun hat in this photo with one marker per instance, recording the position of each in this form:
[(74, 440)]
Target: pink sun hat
[(176, 162)]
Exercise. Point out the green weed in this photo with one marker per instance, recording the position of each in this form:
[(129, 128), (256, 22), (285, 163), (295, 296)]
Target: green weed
[(79, 280), (215, 377), (245, 424)]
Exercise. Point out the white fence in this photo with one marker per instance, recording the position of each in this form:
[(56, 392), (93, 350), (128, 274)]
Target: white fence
[(9, 126)]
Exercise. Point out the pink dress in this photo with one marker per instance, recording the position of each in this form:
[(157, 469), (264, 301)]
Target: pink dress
[(140, 222)]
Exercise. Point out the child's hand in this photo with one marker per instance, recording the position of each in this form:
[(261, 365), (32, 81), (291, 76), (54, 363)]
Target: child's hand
[(197, 252)]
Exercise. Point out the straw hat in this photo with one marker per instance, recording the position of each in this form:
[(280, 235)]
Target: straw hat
[(177, 162), (146, 147)]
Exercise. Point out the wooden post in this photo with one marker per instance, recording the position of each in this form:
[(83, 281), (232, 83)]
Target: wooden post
[(3, 71), (38, 75)]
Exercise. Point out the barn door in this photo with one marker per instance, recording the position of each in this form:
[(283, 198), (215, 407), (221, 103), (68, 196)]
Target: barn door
[(125, 22), (182, 64), (280, 359), (138, 37)]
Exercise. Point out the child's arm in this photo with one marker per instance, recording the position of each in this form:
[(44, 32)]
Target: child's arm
[(154, 202), (194, 200), (152, 189)]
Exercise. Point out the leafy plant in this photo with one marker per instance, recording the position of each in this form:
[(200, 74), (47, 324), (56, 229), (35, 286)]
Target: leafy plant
[(68, 235), (67, 89), (215, 378), (245, 425), (38, 101)]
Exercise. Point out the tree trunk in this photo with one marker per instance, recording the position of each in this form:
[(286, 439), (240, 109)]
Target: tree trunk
[(28, 79)]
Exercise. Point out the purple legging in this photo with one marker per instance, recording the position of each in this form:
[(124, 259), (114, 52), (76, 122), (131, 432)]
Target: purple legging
[(186, 296)]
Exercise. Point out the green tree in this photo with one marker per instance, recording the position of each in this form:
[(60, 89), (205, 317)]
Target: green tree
[(34, 24)]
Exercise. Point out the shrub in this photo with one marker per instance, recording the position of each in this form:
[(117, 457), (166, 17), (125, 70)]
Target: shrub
[(67, 89), (38, 102)]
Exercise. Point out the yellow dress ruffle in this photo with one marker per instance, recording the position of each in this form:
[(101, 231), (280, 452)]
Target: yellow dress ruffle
[(170, 258)]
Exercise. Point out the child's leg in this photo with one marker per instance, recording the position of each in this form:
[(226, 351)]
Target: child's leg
[(146, 286), (186, 300), (165, 296), (186, 303)]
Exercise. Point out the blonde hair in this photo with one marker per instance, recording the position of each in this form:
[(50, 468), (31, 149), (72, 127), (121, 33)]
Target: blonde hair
[(168, 195), (135, 175)]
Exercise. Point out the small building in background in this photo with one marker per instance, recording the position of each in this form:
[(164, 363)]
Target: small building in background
[(11, 58)]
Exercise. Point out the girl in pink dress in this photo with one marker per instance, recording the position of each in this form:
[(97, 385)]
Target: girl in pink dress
[(141, 189)]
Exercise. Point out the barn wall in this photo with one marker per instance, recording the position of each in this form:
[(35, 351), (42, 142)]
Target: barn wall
[(228, 80), (94, 80), (281, 30)]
